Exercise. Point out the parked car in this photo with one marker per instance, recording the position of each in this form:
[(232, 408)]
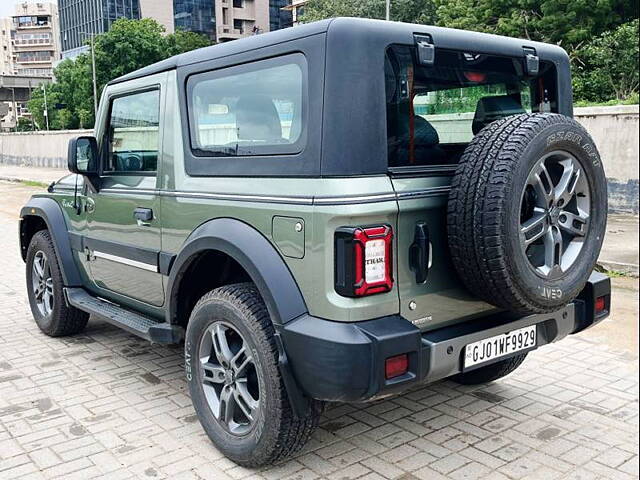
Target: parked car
[(330, 213)]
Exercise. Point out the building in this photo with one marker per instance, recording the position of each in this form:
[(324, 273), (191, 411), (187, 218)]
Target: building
[(79, 19), (240, 18), (296, 7), (195, 16), (35, 39), (220, 20), (29, 47), (280, 16)]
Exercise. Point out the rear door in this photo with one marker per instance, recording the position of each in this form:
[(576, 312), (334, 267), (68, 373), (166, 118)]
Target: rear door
[(433, 112)]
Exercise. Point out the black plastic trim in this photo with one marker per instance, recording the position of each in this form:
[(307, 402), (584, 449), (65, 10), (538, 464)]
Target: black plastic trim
[(130, 252), (51, 212)]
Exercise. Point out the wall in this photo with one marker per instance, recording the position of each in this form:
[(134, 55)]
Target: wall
[(39, 149), (614, 129)]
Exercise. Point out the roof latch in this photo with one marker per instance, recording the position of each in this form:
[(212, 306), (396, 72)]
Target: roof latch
[(426, 49), (532, 62)]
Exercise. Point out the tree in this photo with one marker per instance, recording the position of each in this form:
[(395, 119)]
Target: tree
[(566, 23), (608, 65), (181, 42), (410, 11)]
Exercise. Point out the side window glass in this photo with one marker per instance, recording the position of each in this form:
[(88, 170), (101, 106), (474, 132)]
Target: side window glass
[(256, 109), (133, 134)]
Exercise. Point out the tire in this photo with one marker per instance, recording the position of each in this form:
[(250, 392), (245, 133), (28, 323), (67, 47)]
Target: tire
[(505, 186), (54, 317), (273, 433), (491, 372)]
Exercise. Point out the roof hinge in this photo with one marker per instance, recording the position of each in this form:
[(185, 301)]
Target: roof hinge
[(426, 49), (532, 62)]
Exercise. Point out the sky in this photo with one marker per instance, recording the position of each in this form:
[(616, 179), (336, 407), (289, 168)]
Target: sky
[(7, 6)]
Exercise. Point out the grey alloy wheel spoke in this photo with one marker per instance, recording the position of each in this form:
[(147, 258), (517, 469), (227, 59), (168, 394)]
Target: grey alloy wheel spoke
[(241, 361), (553, 249), (541, 182), (244, 400), (212, 373), (566, 187), (227, 406), (221, 346), (574, 224), (534, 228)]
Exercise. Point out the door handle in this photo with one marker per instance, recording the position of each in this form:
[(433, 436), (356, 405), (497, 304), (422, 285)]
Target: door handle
[(143, 216), (420, 253)]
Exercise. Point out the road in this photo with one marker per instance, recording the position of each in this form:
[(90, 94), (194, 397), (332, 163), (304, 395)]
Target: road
[(106, 403)]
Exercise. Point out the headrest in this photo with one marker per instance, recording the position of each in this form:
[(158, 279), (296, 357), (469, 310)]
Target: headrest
[(257, 119), (424, 133), (490, 109)]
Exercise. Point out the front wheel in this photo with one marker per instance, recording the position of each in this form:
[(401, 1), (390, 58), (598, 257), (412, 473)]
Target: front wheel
[(231, 361), (45, 288)]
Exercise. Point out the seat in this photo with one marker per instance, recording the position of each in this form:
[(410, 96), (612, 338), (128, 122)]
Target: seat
[(257, 119), (490, 109)]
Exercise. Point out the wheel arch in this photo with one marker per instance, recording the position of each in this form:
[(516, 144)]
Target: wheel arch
[(248, 249), (45, 213)]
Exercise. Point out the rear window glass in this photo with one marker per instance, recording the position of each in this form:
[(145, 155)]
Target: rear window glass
[(433, 112), (253, 109)]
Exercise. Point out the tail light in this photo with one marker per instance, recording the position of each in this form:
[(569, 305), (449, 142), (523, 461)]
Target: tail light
[(363, 260), (600, 305)]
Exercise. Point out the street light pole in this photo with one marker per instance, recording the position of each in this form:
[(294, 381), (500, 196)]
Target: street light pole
[(93, 74), (46, 108), (388, 17)]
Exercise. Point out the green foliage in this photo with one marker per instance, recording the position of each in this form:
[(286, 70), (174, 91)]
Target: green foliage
[(607, 67), (410, 11), (24, 125), (566, 23), (128, 46), (181, 42)]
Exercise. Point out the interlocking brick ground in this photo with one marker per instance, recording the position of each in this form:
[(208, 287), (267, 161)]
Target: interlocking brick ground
[(107, 404)]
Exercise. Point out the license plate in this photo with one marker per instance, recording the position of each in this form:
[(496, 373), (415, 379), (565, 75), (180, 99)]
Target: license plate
[(499, 346)]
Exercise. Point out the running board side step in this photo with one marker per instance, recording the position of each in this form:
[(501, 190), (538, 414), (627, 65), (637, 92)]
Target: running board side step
[(147, 328)]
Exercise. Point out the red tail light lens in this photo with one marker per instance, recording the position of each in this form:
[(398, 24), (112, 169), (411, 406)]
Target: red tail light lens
[(363, 260), (601, 305), (396, 366)]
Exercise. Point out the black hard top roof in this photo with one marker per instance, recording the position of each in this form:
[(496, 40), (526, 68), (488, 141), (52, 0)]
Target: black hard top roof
[(343, 29)]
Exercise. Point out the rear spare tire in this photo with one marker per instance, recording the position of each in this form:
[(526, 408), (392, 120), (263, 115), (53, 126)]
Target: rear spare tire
[(527, 212)]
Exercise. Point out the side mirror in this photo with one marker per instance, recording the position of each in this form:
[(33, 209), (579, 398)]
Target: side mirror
[(83, 156)]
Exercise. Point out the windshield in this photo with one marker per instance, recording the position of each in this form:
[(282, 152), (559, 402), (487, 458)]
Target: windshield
[(433, 112)]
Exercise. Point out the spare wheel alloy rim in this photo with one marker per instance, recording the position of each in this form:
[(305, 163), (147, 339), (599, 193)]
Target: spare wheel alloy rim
[(555, 210)]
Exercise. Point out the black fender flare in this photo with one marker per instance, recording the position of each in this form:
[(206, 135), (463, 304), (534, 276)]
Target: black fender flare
[(51, 212), (254, 253)]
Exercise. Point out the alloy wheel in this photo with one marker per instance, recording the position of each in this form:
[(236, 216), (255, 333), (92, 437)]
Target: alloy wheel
[(554, 214), (229, 378), (42, 284)]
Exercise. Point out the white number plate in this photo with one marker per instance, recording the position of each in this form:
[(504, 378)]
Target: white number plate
[(499, 346)]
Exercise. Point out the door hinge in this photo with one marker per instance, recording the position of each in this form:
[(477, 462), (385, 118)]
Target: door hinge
[(532, 62), (426, 49)]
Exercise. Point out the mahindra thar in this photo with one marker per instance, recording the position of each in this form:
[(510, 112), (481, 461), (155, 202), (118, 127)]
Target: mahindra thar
[(330, 213)]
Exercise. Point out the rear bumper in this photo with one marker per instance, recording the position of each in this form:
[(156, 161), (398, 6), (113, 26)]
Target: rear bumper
[(345, 361)]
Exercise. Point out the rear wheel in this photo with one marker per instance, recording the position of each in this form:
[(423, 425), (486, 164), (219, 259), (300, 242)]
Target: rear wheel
[(490, 372), (235, 382), (45, 289)]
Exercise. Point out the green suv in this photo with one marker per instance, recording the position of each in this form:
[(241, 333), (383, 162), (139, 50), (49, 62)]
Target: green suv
[(330, 213)]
